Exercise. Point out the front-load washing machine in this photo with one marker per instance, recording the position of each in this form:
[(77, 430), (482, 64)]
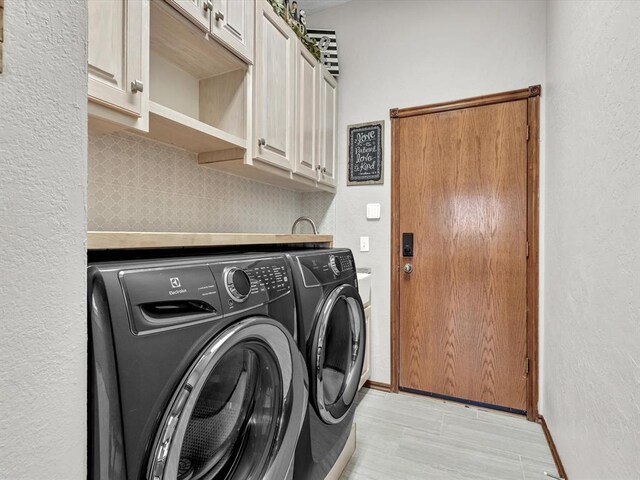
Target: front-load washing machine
[(194, 369), (332, 339)]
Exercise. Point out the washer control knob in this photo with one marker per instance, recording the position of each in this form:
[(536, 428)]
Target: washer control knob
[(334, 265), (237, 283)]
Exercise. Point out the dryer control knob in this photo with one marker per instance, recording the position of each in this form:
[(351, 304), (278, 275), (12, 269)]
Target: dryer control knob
[(334, 265), (237, 283)]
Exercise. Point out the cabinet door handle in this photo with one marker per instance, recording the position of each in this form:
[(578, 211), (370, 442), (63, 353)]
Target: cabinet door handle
[(262, 142), (318, 168), (208, 5), (219, 16), (137, 86), (324, 169)]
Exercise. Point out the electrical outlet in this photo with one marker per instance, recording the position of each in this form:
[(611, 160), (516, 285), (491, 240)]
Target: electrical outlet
[(364, 244)]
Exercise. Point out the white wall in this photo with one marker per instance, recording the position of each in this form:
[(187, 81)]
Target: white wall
[(592, 279), (43, 92), (406, 53)]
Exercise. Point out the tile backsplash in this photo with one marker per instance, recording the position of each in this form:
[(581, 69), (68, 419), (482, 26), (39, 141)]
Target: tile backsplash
[(137, 184)]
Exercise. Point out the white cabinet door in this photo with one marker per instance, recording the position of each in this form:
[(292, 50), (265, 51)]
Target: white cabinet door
[(232, 24), (328, 124), (307, 113), (274, 88), (198, 11), (118, 54)]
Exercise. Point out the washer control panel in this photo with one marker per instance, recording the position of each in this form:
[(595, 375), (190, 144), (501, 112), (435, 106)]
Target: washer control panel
[(323, 268), (251, 283), (238, 283), (273, 279)]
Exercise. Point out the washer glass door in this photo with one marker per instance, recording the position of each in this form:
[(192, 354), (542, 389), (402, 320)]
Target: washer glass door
[(238, 411), (338, 353)]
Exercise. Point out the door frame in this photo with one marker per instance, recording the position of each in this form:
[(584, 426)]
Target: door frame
[(532, 95)]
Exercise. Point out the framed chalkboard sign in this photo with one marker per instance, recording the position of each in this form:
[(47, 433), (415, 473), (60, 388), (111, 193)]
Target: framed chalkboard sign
[(366, 142)]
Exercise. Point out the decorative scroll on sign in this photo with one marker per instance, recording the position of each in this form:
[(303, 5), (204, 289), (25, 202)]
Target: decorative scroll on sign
[(366, 153)]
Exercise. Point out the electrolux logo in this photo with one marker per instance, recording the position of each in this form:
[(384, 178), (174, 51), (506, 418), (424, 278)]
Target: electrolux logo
[(175, 282)]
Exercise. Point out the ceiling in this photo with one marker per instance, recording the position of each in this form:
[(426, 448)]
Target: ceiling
[(314, 6)]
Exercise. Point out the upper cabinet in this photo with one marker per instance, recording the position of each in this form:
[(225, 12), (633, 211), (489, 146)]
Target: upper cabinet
[(118, 60), (274, 89), (198, 11), (294, 113), (181, 72), (198, 90), (327, 128), (232, 23), (307, 113), (228, 21)]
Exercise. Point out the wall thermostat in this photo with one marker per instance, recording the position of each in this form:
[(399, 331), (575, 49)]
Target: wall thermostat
[(373, 211)]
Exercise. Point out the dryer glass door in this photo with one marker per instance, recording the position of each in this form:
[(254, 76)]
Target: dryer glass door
[(238, 411), (338, 353)]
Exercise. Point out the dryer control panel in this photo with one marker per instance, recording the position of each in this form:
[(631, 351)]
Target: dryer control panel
[(325, 268)]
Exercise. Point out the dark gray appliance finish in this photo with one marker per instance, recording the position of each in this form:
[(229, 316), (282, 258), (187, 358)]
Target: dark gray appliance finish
[(194, 369), (332, 338)]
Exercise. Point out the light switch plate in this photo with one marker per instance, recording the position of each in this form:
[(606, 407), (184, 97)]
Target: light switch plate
[(364, 244), (373, 211)]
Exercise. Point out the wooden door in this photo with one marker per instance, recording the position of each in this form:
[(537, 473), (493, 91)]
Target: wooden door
[(197, 11), (117, 56), (307, 118), (274, 88), (328, 120), (232, 24), (463, 194)]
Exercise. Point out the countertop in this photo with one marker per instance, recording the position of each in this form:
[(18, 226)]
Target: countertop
[(99, 240)]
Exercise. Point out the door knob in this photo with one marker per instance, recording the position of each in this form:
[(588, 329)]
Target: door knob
[(408, 268)]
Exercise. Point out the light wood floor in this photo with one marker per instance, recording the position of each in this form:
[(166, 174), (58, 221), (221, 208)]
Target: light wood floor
[(401, 436)]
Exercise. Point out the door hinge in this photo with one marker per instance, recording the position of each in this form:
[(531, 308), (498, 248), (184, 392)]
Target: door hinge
[(528, 132), (526, 367), (527, 249)]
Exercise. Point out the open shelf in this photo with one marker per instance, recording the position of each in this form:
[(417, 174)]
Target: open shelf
[(169, 126), (179, 41), (198, 90)]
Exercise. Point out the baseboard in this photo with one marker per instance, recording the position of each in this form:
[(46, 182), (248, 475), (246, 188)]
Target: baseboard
[(552, 447), (385, 387)]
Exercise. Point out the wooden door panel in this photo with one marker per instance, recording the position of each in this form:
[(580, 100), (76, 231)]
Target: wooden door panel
[(115, 53), (195, 11), (274, 88), (307, 113), (462, 309), (276, 72), (232, 24), (328, 121)]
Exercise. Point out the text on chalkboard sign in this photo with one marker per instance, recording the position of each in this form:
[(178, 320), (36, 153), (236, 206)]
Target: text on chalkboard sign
[(365, 153)]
